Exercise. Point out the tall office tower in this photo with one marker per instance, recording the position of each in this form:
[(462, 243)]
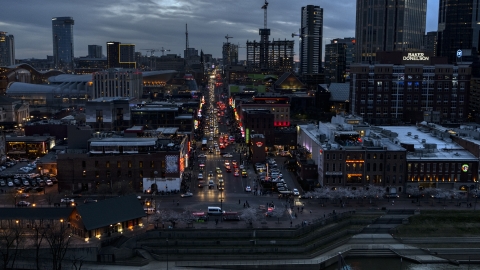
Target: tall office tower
[(7, 49), (430, 43), (94, 51), (387, 25), (62, 32), (190, 52), (458, 27), (311, 36), (120, 55), (339, 55), (229, 54)]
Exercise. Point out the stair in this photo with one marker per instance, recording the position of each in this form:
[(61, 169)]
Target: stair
[(371, 253)]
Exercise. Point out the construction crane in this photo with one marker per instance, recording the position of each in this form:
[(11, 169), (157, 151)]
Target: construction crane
[(264, 7), (151, 51), (163, 51), (227, 37)]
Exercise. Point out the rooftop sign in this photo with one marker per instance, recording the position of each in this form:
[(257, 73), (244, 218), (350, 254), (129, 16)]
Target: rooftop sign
[(416, 57)]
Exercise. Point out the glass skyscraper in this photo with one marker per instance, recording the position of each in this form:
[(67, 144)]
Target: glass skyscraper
[(458, 28), (62, 32), (311, 36), (389, 25), (7, 49)]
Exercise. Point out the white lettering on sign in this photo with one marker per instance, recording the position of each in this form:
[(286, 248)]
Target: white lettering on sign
[(416, 57)]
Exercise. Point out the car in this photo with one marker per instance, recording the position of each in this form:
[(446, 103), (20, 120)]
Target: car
[(49, 182), (295, 192), (227, 155), (218, 170), (242, 167), (26, 183), (248, 189), (200, 176), (210, 139), (67, 200), (210, 174), (10, 183), (244, 173), (202, 156), (211, 184), (186, 194), (89, 200), (2, 183), (228, 168), (24, 195), (236, 173), (23, 204)]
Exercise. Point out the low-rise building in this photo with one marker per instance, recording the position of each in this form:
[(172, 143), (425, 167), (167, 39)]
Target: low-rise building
[(154, 163)]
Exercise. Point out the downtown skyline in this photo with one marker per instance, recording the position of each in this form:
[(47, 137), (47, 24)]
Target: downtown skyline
[(153, 24)]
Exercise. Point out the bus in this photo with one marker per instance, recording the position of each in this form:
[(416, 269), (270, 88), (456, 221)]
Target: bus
[(204, 144)]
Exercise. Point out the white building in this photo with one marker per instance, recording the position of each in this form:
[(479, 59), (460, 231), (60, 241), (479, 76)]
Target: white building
[(117, 83)]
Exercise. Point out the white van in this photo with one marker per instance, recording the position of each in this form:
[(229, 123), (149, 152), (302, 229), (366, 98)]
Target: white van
[(214, 210)]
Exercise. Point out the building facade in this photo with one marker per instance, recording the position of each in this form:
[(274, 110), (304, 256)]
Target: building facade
[(430, 43), (387, 93), (339, 55), (458, 28), (117, 83), (120, 55), (95, 51), (389, 26), (143, 163), (7, 49), (108, 114), (62, 30), (311, 36)]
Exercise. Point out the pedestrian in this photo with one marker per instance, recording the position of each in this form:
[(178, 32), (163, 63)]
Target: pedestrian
[(244, 205), (298, 209), (290, 223), (295, 215), (238, 201)]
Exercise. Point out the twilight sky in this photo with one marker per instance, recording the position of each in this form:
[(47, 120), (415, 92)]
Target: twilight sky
[(153, 24)]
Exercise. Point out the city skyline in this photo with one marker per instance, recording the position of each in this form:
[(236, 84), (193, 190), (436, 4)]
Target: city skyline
[(156, 24)]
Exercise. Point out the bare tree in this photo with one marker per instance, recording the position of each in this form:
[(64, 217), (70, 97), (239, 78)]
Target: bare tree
[(11, 240), (168, 215), (38, 236), (123, 188), (250, 215), (277, 212), (58, 236), (12, 196), (103, 190)]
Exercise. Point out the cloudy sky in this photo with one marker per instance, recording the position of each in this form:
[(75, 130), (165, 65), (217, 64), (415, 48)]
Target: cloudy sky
[(153, 24)]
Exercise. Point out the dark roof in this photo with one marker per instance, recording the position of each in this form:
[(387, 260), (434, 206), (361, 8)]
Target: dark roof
[(110, 211), (35, 213)]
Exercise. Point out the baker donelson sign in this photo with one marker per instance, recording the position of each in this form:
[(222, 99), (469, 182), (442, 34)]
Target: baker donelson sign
[(416, 57)]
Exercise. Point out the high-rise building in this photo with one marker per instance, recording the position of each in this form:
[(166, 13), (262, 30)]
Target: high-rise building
[(339, 55), (311, 36), (7, 49), (229, 54), (387, 25), (62, 32), (120, 55), (458, 27), (430, 43), (94, 51)]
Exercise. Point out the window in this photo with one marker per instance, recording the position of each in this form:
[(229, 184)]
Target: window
[(107, 164), (140, 164), (152, 164), (119, 164), (333, 156), (328, 156), (96, 163), (97, 174), (83, 164), (340, 156), (129, 164)]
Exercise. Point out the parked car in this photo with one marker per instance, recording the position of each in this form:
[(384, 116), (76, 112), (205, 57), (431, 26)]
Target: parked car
[(248, 189), (23, 204), (49, 182), (89, 200), (186, 194), (67, 200), (295, 192)]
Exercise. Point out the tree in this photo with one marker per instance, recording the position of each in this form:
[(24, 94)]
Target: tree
[(58, 236), (11, 240), (123, 188), (103, 190), (168, 215), (250, 215), (277, 213), (38, 236)]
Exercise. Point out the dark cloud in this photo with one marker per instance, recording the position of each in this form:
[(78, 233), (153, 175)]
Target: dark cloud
[(161, 23)]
